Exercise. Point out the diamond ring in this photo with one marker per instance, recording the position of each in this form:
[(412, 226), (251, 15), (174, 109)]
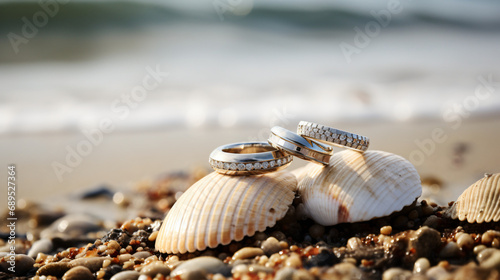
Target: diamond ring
[(333, 136), (299, 146), (248, 158)]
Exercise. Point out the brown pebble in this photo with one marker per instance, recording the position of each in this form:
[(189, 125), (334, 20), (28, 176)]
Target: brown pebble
[(55, 269), (493, 261), (464, 241), (247, 253), (22, 263), (92, 263), (495, 243), (152, 236), (78, 273), (271, 246), (317, 231), (386, 230), (413, 215), (450, 250), (479, 248), (488, 237), (354, 243), (427, 210), (294, 261), (155, 268), (396, 273), (302, 274), (126, 275), (278, 235)]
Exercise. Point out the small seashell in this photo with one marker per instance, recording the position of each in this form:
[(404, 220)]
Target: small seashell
[(358, 187), (220, 208), (478, 203)]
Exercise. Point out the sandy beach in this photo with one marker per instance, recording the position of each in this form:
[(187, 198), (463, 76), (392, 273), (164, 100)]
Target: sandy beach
[(124, 159)]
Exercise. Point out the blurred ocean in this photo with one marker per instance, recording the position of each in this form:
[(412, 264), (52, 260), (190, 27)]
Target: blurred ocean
[(393, 69), (228, 70)]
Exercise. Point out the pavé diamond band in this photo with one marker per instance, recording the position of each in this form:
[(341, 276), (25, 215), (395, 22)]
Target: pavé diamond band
[(333, 136), (299, 146), (248, 158)]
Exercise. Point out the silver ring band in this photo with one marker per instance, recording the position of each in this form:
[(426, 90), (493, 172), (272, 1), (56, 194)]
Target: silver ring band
[(299, 146), (333, 136), (248, 158)]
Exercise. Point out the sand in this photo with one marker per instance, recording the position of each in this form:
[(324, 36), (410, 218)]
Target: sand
[(123, 159)]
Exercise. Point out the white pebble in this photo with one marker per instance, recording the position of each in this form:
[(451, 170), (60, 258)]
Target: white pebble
[(421, 265)]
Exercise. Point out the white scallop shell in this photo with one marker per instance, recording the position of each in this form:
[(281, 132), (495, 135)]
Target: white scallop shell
[(358, 187), (221, 208), (478, 203)]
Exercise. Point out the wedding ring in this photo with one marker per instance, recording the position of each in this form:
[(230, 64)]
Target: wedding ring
[(248, 158), (299, 146), (333, 136)]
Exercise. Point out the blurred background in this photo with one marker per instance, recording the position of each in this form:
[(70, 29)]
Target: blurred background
[(114, 92)]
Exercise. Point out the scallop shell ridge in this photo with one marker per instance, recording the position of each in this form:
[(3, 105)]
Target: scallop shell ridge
[(220, 208), (358, 187), (478, 203)]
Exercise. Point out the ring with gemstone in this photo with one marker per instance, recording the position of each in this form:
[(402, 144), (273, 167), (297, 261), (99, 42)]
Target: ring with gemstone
[(248, 158), (299, 146), (333, 136)]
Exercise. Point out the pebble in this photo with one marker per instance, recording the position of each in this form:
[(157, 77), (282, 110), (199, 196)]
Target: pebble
[(124, 257), (465, 241), (432, 221), (317, 231), (396, 274), (23, 263), (126, 275), (71, 226), (293, 261), (56, 269), (421, 266), (247, 253), (492, 262), (479, 248), (425, 241), (489, 236), (386, 230), (278, 235), (271, 246), (427, 210), (155, 268), (239, 269), (78, 273), (142, 255), (285, 273), (153, 236), (40, 246), (345, 270), (354, 243), (485, 254), (437, 273), (255, 268), (451, 250), (92, 263), (201, 264), (302, 275), (413, 215)]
